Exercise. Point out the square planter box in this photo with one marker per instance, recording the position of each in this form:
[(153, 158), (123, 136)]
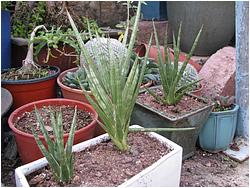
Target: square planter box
[(218, 132), (149, 118), (165, 172)]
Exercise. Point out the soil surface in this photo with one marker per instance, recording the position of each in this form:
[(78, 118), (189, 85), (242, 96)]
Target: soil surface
[(29, 119), (17, 74), (187, 104), (214, 170), (203, 169), (103, 165)]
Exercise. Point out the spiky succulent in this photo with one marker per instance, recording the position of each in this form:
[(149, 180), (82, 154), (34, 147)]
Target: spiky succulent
[(170, 73), (73, 78), (59, 158)]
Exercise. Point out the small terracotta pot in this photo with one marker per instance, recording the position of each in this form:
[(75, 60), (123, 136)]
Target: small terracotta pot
[(153, 54), (26, 91), (71, 93), (198, 91), (26, 144)]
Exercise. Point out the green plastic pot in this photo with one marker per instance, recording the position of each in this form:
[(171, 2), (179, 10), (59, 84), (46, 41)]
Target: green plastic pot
[(149, 118), (218, 132)]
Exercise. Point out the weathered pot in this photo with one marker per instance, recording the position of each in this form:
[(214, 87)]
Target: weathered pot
[(149, 118), (163, 173), (26, 144), (218, 132), (26, 91), (217, 18)]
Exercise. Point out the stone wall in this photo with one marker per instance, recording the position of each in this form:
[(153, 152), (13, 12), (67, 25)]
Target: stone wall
[(107, 13), (242, 67)]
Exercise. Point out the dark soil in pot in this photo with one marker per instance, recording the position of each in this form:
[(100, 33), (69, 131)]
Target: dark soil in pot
[(29, 119), (18, 74), (103, 165), (187, 104)]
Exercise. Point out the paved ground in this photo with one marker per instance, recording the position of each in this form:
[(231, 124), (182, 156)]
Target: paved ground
[(214, 170)]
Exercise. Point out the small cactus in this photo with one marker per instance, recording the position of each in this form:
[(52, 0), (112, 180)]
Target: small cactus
[(73, 79)]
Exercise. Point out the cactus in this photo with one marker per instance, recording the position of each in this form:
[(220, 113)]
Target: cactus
[(103, 45), (190, 75), (59, 158), (72, 79)]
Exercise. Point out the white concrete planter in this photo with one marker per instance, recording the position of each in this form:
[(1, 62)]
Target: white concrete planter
[(163, 173)]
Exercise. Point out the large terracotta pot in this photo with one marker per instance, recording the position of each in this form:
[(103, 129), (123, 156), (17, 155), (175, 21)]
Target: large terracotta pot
[(26, 91), (218, 19), (26, 145)]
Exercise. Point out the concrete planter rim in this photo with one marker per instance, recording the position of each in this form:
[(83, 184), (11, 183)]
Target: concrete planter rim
[(29, 168)]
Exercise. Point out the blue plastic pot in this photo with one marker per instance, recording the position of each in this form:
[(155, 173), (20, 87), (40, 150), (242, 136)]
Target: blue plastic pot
[(5, 40), (219, 130), (154, 10)]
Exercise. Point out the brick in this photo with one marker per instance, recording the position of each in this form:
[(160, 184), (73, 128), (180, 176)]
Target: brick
[(218, 73)]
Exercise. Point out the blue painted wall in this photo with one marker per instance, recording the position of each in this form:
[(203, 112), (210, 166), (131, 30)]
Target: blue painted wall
[(156, 10), (242, 67)]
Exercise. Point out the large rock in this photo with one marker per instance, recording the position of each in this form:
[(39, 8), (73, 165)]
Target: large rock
[(218, 73)]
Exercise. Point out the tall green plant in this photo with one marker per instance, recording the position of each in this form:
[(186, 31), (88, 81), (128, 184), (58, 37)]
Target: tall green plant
[(115, 86), (59, 159), (169, 73)]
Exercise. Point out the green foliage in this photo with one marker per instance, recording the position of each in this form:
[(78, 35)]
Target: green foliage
[(170, 74), (223, 103), (76, 79), (92, 25), (27, 19), (59, 158), (5, 5), (114, 87)]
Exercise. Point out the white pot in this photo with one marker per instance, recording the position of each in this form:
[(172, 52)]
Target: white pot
[(163, 173)]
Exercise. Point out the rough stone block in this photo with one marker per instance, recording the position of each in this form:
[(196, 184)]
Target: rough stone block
[(218, 73)]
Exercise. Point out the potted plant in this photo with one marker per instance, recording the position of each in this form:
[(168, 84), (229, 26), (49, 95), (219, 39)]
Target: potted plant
[(57, 46), (23, 118), (115, 99), (169, 105), (31, 82), (218, 132)]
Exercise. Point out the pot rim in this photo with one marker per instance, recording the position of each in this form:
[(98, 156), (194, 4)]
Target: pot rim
[(32, 81), (207, 102), (235, 109), (59, 82), (53, 101)]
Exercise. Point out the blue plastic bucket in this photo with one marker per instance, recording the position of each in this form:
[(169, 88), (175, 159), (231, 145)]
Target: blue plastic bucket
[(5, 40)]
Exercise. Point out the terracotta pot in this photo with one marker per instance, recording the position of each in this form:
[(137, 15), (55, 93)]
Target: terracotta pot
[(71, 93), (61, 61), (153, 54), (26, 145), (198, 91), (26, 91)]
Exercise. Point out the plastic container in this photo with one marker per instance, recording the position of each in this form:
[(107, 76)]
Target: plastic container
[(218, 132)]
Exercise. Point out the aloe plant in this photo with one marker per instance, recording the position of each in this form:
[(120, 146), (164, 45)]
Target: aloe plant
[(170, 74), (72, 79), (115, 86), (59, 158)]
